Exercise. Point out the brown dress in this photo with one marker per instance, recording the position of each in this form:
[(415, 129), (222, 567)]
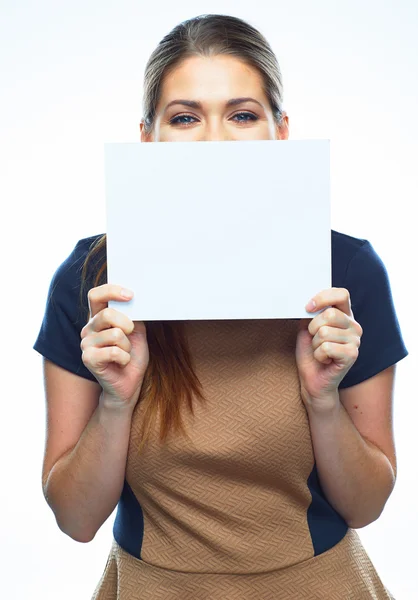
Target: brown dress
[(225, 510)]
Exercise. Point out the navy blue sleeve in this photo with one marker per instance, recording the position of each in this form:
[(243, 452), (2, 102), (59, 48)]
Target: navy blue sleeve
[(59, 336), (382, 344)]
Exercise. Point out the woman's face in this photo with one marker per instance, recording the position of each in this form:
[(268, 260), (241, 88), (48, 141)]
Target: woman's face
[(208, 85)]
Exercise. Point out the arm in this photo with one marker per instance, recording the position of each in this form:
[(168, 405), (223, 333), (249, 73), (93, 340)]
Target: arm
[(87, 433), (347, 387), (91, 439), (354, 449), (84, 486)]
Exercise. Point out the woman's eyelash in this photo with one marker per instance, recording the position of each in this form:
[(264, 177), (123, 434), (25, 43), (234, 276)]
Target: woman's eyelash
[(252, 116)]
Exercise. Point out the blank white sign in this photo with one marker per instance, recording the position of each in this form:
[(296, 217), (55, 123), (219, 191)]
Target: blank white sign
[(218, 230)]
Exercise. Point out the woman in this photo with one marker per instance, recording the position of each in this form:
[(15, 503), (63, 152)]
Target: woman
[(242, 455)]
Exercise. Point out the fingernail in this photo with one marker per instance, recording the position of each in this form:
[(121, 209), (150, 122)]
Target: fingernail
[(311, 305), (126, 293)]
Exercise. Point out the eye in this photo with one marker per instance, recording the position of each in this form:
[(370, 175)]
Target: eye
[(176, 121), (248, 117), (246, 114)]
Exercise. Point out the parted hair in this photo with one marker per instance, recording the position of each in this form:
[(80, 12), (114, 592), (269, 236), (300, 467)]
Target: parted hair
[(170, 382)]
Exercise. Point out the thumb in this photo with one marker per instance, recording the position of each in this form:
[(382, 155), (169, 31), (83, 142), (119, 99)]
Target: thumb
[(303, 341), (304, 324), (139, 327)]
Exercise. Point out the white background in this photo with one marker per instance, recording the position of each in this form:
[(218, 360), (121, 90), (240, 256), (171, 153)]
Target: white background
[(71, 80)]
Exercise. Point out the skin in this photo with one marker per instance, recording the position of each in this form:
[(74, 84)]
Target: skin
[(351, 429), (213, 81)]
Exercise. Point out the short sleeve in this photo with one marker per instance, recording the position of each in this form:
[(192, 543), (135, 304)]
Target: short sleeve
[(65, 315), (381, 344)]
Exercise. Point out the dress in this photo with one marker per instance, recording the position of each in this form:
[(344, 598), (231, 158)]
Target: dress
[(236, 510)]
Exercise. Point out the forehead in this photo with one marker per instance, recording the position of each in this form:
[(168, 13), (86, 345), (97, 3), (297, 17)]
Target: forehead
[(216, 76)]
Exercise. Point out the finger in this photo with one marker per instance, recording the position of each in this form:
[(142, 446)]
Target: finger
[(338, 297), (107, 319), (329, 334), (110, 317), (339, 336), (346, 353), (96, 359), (99, 297), (331, 316), (107, 337)]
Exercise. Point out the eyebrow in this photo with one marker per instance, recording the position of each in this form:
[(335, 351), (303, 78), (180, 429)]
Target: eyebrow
[(198, 105)]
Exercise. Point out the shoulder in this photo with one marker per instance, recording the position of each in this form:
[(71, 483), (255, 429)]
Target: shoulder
[(354, 260), (71, 268), (86, 244), (66, 310), (357, 267), (69, 285), (344, 245), (343, 248), (81, 250)]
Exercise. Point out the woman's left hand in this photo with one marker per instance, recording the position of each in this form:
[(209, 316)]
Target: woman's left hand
[(326, 347)]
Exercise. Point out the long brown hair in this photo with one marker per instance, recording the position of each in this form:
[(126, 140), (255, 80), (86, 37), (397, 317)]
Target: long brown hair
[(170, 380)]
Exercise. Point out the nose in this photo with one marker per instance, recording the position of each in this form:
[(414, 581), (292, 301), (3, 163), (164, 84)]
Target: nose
[(215, 131)]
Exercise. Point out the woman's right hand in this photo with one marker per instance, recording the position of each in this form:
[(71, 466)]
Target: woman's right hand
[(117, 361)]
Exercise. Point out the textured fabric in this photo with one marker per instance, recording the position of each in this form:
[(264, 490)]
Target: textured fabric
[(320, 578), (355, 266), (231, 499), (235, 509)]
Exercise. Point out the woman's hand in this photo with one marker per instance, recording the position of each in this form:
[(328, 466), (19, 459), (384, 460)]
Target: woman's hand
[(326, 347), (115, 349)]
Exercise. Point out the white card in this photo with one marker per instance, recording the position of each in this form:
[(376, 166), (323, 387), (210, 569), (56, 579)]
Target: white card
[(218, 230)]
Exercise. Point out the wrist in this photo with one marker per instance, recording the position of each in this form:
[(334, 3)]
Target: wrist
[(327, 407), (116, 406)]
